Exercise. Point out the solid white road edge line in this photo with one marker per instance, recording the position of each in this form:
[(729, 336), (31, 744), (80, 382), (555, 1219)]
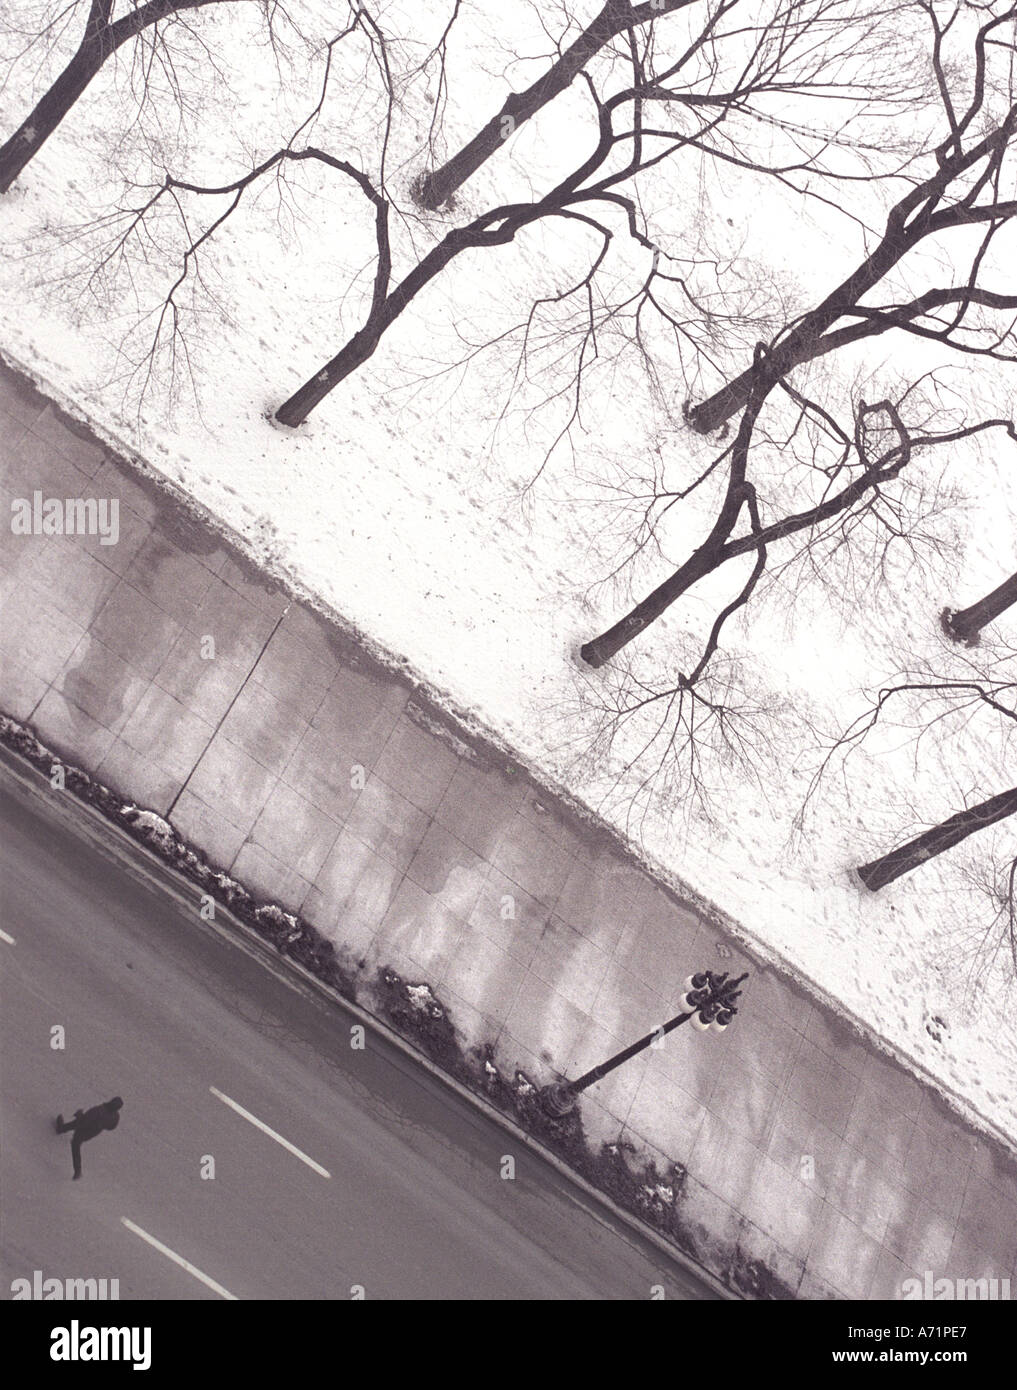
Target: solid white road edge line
[(179, 1259), (271, 1133)]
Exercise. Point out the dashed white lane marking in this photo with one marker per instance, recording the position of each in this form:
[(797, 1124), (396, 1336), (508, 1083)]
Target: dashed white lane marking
[(179, 1260), (9, 939), (298, 1153)]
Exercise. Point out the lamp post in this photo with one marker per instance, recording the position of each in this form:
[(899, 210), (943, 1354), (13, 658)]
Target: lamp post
[(707, 999)]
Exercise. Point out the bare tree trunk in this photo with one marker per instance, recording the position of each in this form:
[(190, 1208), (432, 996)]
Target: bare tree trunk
[(702, 561), (916, 216), (880, 872), (601, 649), (55, 104), (100, 40), (29, 137), (965, 624), (617, 16), (354, 354), (803, 342), (384, 312)]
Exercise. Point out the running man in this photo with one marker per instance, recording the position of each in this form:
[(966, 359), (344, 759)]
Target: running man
[(87, 1124)]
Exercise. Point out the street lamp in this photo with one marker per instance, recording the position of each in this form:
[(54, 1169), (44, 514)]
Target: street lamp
[(707, 999)]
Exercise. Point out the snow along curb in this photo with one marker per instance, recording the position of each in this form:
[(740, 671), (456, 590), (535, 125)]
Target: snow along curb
[(145, 846)]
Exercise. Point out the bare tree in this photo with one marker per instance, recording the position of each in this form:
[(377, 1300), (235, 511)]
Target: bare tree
[(879, 872), (102, 37), (660, 749), (673, 720), (855, 490), (618, 17), (970, 187), (966, 624), (779, 53), (973, 178), (937, 709), (102, 264), (711, 87)]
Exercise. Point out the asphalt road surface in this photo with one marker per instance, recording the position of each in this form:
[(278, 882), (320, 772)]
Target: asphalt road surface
[(333, 1168)]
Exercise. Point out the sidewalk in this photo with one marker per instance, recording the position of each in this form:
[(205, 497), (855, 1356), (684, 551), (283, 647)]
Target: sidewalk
[(283, 751)]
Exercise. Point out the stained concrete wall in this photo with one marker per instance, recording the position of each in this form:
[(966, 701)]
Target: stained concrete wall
[(332, 786)]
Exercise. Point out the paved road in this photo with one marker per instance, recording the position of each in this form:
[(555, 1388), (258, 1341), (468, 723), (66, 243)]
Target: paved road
[(158, 1008)]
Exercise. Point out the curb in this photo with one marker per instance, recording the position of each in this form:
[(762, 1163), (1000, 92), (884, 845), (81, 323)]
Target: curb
[(145, 867)]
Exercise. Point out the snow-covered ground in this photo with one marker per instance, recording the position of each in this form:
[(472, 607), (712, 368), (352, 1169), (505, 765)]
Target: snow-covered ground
[(417, 502)]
